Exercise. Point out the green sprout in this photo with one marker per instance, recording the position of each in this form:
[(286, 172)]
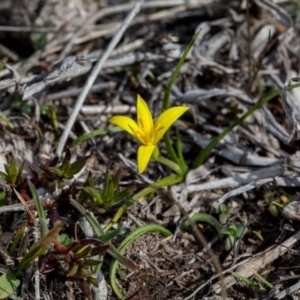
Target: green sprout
[(230, 232)]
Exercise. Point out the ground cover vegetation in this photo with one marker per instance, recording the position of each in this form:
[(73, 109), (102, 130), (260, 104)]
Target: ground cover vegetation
[(149, 149)]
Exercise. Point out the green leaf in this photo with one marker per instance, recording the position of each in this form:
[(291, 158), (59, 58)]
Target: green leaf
[(116, 179), (21, 105), (223, 218), (241, 230), (224, 231), (91, 262), (176, 72), (243, 278), (20, 172), (111, 235), (39, 40), (109, 189), (166, 99), (93, 194), (199, 160), (83, 252), (5, 176), (64, 239), (224, 208), (29, 257), (94, 133), (122, 274), (40, 209), (232, 229), (229, 242), (53, 171), (3, 197), (119, 196), (98, 231), (66, 161), (263, 280), (76, 167), (11, 171), (8, 284), (50, 112), (90, 181), (40, 247), (17, 238), (73, 270), (53, 162), (182, 163), (99, 250), (167, 181)]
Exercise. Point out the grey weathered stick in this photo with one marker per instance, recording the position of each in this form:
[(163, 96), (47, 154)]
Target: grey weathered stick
[(237, 191), (91, 79), (258, 262), (288, 291), (238, 180)]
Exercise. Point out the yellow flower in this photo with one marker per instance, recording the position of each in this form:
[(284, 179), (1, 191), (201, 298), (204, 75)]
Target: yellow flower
[(147, 132)]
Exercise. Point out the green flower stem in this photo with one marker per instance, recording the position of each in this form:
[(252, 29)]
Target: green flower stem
[(127, 242), (170, 180), (203, 218), (175, 167), (182, 163)]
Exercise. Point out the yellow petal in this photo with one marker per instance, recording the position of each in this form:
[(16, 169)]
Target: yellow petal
[(144, 155), (126, 123), (166, 119), (144, 117)]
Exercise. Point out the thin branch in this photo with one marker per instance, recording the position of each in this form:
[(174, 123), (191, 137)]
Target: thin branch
[(94, 74)]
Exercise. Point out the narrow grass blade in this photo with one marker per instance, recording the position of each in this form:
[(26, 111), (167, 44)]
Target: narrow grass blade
[(206, 151), (166, 99), (263, 280), (94, 133), (40, 209), (40, 247), (99, 233)]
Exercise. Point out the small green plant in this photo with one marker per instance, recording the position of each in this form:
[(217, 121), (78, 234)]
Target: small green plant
[(21, 105), (224, 213), (66, 170), (257, 285), (13, 175), (74, 261), (110, 195), (76, 255), (11, 280), (275, 204), (38, 40), (50, 113), (230, 232)]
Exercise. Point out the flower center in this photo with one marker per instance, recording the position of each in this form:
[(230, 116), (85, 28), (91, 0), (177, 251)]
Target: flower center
[(145, 133), (144, 137)]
